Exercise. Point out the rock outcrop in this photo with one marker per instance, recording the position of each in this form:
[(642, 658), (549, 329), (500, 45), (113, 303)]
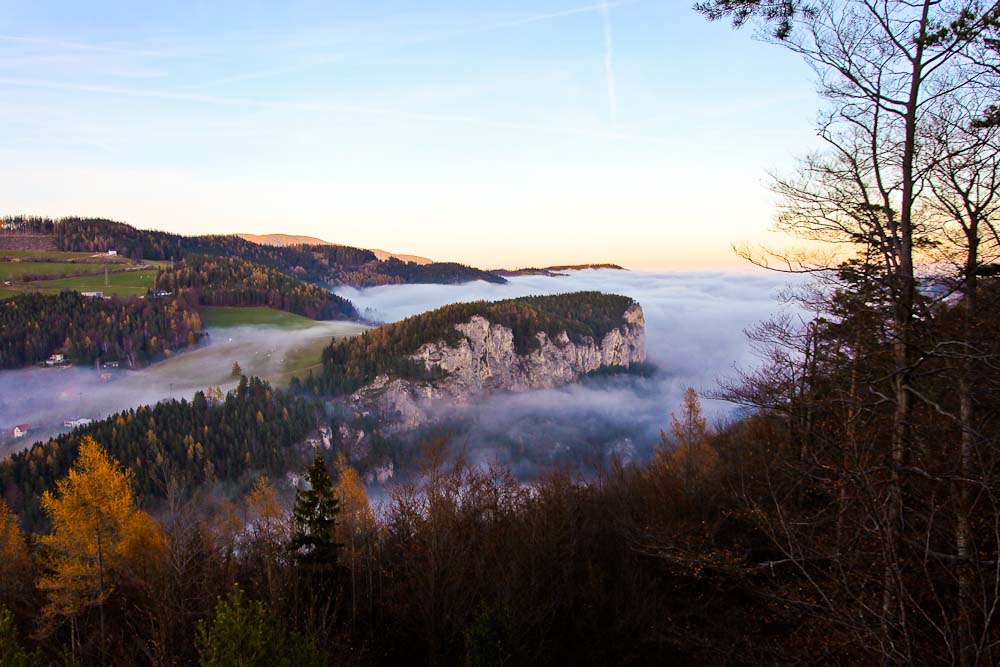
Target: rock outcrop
[(485, 361)]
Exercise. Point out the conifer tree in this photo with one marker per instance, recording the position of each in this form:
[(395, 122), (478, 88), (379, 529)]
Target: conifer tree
[(314, 517)]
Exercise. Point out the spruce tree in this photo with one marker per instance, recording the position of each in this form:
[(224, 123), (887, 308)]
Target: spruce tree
[(314, 517)]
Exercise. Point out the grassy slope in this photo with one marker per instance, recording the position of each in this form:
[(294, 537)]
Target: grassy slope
[(299, 359), (17, 270), (129, 283), (222, 317)]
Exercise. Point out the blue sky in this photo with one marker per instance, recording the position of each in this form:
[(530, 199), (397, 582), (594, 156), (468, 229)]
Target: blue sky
[(521, 134)]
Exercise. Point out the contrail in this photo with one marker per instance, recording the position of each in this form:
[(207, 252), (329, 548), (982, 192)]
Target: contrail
[(609, 67)]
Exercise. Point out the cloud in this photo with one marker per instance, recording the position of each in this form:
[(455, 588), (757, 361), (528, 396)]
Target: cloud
[(694, 333)]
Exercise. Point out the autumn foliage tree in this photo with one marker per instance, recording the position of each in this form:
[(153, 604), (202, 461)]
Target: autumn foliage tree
[(686, 452), (15, 562), (98, 538)]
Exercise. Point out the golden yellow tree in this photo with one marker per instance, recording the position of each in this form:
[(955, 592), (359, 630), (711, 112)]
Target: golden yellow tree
[(355, 529), (15, 562), (687, 453), (98, 536), (267, 530)]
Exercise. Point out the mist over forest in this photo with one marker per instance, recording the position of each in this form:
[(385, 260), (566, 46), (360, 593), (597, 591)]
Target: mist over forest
[(694, 336)]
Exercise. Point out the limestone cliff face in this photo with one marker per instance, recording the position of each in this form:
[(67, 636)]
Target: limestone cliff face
[(485, 361)]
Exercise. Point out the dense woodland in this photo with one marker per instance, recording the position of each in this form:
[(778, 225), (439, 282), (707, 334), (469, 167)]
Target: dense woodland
[(320, 264), (174, 447), (133, 331), (221, 281), (349, 364)]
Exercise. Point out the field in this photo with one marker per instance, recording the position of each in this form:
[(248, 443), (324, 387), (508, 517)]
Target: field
[(54, 271), (224, 317), (126, 283), (281, 356), (21, 270)]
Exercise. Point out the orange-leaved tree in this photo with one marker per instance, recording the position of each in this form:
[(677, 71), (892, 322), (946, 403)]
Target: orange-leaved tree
[(688, 453), (15, 562), (98, 538)]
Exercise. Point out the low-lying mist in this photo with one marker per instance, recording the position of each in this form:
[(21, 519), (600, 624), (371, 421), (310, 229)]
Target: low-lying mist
[(47, 397), (694, 335)]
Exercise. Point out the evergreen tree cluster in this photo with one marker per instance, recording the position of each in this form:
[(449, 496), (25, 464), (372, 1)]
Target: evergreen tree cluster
[(352, 363), (134, 331), (174, 443), (223, 281)]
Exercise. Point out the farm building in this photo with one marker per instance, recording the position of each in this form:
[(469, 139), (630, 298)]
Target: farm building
[(21, 430)]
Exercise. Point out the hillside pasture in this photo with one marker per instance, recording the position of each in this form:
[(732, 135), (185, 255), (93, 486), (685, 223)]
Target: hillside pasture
[(122, 283)]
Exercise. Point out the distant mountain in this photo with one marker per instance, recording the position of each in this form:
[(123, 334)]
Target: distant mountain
[(291, 239), (579, 267)]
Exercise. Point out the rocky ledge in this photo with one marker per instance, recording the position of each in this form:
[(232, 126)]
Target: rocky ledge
[(485, 361)]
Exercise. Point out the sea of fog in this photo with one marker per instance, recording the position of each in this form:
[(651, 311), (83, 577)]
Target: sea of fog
[(695, 325), (694, 329)]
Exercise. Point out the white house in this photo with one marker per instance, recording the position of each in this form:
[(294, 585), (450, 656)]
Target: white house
[(21, 430), (113, 253)]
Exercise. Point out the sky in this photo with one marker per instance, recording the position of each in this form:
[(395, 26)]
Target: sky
[(521, 134)]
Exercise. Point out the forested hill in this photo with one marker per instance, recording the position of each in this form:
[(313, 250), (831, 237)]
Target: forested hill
[(351, 363), (222, 281), (177, 444), (327, 265), (133, 331)]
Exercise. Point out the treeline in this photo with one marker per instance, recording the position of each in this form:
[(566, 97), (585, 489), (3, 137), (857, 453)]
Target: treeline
[(349, 364), (134, 331), (320, 264), (645, 564), (26, 224), (174, 447), (222, 281)]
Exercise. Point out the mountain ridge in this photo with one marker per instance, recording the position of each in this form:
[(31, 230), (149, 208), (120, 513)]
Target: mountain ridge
[(297, 239)]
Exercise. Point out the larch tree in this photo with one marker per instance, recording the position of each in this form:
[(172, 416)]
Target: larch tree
[(686, 451), (98, 536), (15, 561), (356, 532)]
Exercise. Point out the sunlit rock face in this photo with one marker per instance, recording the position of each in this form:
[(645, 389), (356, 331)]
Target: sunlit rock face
[(485, 361)]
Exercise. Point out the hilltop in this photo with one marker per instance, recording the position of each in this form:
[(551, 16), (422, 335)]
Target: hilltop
[(293, 240)]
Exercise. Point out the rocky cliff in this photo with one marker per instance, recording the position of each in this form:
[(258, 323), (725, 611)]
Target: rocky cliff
[(485, 360)]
